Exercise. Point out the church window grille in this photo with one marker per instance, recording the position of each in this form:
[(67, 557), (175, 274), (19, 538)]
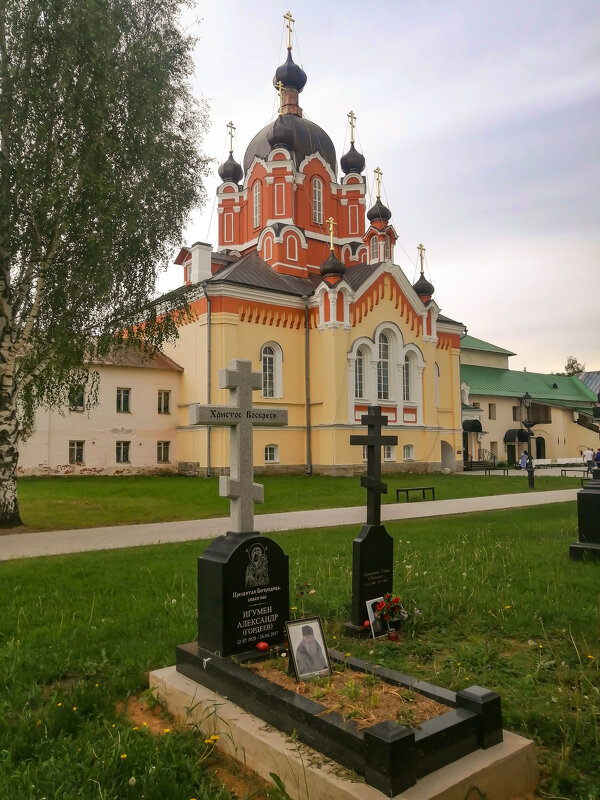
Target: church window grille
[(374, 250), (387, 246), (406, 379), (318, 201), (359, 375), (383, 369), (76, 452), (162, 452), (256, 203), (292, 248), (268, 372), (122, 453)]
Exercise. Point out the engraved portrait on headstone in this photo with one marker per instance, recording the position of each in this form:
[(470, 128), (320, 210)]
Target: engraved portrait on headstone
[(257, 571)]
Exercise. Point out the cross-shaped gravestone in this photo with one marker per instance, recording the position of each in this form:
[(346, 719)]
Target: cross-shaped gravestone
[(374, 441), (241, 416)]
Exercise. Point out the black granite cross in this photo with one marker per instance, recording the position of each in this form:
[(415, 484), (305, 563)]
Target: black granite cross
[(374, 442)]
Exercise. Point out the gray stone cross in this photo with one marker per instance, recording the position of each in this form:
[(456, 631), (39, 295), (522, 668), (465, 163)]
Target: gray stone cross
[(241, 416)]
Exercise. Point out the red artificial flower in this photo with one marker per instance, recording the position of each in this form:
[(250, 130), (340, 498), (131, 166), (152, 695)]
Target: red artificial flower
[(380, 606), (366, 624), (396, 600)]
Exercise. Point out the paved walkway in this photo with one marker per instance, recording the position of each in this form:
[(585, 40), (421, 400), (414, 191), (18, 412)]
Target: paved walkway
[(49, 543)]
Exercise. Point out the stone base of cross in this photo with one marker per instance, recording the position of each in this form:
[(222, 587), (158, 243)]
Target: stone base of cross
[(241, 417)]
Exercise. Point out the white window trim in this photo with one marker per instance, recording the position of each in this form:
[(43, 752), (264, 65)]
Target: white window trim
[(256, 198), (277, 368), (317, 209), (408, 452), (289, 239), (275, 450)]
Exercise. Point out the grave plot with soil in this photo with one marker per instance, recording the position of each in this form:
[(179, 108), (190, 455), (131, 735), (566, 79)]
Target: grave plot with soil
[(387, 726)]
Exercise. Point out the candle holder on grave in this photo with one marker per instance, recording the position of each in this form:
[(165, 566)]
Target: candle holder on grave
[(588, 514), (373, 548)]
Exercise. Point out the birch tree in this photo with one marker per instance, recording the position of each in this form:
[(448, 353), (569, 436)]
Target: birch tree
[(100, 165)]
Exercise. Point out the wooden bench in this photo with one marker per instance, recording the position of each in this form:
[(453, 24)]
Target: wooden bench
[(421, 489), (563, 472), (489, 470)]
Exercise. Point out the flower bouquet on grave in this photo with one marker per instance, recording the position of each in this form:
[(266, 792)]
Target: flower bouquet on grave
[(391, 613)]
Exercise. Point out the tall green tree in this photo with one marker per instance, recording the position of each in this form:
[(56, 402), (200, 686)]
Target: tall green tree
[(100, 165)]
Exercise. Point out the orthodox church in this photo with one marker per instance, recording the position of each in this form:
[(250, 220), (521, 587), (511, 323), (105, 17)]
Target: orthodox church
[(304, 284)]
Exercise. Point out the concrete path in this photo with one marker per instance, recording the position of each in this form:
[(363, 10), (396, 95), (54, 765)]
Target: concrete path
[(48, 543)]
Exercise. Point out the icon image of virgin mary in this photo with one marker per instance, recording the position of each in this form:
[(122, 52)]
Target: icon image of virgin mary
[(257, 571)]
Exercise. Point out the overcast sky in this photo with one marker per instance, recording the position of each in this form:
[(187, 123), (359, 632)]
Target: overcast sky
[(484, 117)]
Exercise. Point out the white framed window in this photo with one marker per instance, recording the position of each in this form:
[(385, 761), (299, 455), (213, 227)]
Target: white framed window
[(123, 400), (271, 360), (162, 452), (268, 249), (292, 248), (359, 375), (352, 219), (228, 222), (318, 201), (164, 401), (271, 454), (387, 246), (408, 452), (76, 398), (389, 452), (407, 387), (75, 452), (279, 199), (256, 203), (383, 368), (374, 250), (122, 452)]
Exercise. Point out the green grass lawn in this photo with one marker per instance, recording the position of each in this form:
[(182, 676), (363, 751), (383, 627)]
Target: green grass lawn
[(501, 604), (75, 502)]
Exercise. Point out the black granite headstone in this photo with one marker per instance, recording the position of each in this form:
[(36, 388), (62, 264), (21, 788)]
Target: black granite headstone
[(588, 518), (243, 593), (373, 548)]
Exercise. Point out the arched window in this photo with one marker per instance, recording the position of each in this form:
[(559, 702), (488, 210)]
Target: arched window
[(292, 248), (268, 249), (387, 246), (383, 368), (256, 203), (318, 201), (268, 372), (374, 250), (359, 375), (271, 358), (408, 378)]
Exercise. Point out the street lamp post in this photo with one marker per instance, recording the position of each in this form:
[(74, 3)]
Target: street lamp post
[(528, 425)]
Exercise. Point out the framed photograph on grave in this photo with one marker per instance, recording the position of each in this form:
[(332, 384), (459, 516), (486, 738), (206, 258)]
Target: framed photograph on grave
[(378, 626), (308, 651)]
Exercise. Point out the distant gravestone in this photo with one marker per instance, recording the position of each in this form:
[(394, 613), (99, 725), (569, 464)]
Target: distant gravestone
[(243, 577), (373, 548)]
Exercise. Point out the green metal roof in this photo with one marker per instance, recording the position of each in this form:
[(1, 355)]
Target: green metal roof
[(552, 389), (471, 343)]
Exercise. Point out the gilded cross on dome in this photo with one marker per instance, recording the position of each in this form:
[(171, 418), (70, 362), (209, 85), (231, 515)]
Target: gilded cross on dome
[(230, 129), (421, 250), (352, 118), (378, 174), (330, 223), (288, 24)]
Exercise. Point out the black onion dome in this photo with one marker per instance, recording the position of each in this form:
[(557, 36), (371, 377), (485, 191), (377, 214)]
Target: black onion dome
[(352, 161), (281, 133), (333, 266), (379, 211), (230, 170), (423, 287), (290, 74), (308, 138)]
